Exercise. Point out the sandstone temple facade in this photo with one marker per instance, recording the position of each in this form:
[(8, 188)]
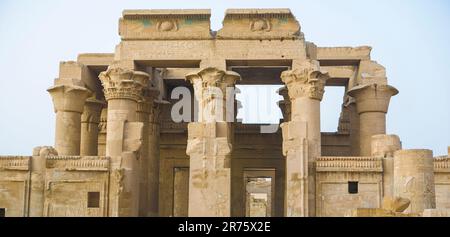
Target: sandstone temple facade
[(119, 152)]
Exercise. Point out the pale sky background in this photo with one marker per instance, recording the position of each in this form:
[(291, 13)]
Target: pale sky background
[(409, 37)]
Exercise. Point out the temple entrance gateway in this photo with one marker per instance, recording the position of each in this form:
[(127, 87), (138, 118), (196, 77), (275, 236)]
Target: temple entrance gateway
[(120, 151)]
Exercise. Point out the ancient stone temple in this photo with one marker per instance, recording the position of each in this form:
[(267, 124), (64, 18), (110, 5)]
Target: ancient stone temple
[(130, 142)]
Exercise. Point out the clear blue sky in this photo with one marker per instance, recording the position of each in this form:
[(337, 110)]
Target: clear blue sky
[(409, 37)]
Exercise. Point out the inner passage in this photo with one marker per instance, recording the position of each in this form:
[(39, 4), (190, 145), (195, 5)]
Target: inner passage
[(259, 104), (259, 197)]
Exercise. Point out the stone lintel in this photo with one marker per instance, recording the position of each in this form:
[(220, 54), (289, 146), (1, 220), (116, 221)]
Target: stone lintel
[(260, 24), (344, 53), (165, 24), (70, 69), (96, 59), (371, 72)]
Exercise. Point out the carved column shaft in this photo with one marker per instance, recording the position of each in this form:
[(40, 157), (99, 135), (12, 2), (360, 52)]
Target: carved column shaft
[(90, 120), (143, 108), (302, 136), (373, 123), (385, 146), (68, 101), (102, 132), (209, 144), (354, 129), (153, 159), (414, 179)]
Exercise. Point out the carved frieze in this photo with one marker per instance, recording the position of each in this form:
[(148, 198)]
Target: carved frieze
[(259, 24), (15, 163), (165, 24), (442, 164), (78, 163), (349, 164)]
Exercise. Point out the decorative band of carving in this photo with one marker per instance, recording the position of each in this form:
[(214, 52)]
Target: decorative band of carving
[(349, 164), (78, 163), (442, 164), (15, 162)]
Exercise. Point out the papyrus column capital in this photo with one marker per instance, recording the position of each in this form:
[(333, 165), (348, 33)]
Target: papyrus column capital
[(120, 83), (372, 97), (213, 77), (92, 111), (285, 104), (69, 98), (214, 89), (306, 80)]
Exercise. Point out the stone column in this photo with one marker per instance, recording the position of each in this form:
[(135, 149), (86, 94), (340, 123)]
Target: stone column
[(210, 144), (354, 127), (372, 102), (90, 120), (384, 146), (414, 179), (148, 186), (102, 132), (123, 89), (285, 104), (143, 108), (68, 101), (302, 137), (154, 124)]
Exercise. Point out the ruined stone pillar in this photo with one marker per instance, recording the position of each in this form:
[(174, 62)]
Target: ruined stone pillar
[(143, 108), (210, 144), (68, 101), (154, 124), (384, 146), (302, 137), (372, 102), (90, 120), (414, 179), (123, 89), (148, 186), (102, 132), (37, 182)]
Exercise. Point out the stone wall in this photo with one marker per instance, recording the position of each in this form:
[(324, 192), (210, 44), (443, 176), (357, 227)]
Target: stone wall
[(334, 175), (15, 185)]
